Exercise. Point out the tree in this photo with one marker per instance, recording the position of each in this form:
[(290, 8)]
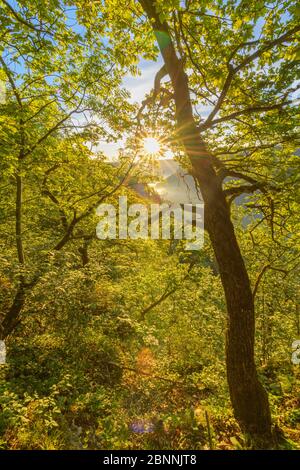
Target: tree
[(232, 77), (227, 106), (58, 100)]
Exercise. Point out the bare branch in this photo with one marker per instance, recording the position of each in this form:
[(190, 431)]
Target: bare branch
[(157, 87)]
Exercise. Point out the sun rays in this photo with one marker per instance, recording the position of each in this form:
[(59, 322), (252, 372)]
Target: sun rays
[(151, 145)]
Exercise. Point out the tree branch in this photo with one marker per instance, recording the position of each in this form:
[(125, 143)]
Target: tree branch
[(46, 191), (12, 82), (269, 45), (261, 274), (157, 87), (251, 110), (234, 70), (238, 190), (165, 295)]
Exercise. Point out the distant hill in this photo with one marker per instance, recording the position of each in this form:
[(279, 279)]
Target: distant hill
[(174, 185)]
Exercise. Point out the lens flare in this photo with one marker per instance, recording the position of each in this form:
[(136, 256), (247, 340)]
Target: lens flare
[(151, 145)]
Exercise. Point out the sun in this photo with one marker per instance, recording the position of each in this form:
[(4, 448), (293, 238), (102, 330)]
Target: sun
[(151, 145)]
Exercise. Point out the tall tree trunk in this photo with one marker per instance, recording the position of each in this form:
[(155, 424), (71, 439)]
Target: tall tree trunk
[(248, 397)]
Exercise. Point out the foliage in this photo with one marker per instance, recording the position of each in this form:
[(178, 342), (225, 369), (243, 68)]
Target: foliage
[(94, 362)]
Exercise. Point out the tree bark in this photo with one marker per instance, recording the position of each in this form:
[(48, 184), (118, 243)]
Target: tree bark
[(248, 397)]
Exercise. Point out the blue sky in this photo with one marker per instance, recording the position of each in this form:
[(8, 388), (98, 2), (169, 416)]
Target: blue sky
[(138, 86)]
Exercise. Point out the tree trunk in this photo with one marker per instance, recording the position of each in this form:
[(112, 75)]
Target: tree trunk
[(11, 318), (249, 399)]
